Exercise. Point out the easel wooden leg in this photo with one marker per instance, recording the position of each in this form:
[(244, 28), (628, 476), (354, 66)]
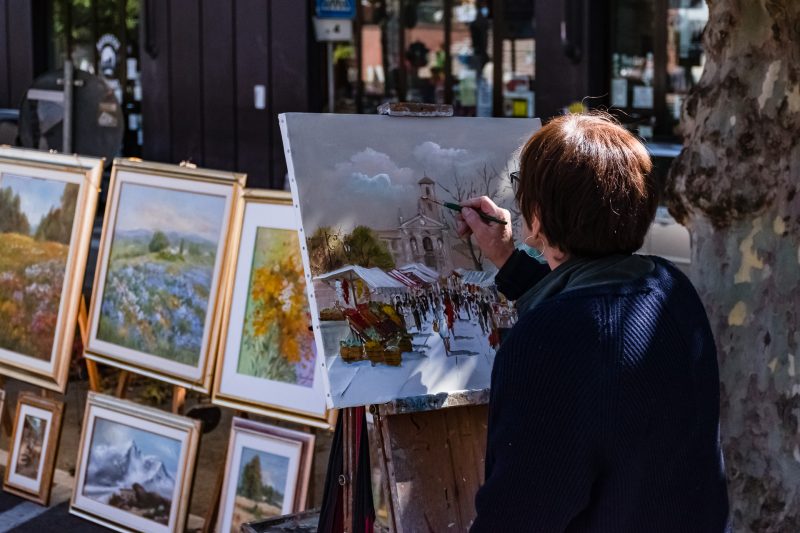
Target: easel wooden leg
[(178, 399), (210, 519), (91, 366), (122, 384)]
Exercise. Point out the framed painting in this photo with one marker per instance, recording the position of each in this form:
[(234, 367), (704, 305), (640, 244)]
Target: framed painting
[(47, 207), (34, 445), (267, 473), (402, 306), (135, 466), (267, 361), (160, 271)]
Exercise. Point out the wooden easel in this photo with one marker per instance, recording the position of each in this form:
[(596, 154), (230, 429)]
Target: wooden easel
[(431, 447)]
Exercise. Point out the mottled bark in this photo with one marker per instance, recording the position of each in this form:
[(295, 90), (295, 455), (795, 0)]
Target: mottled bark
[(734, 186)]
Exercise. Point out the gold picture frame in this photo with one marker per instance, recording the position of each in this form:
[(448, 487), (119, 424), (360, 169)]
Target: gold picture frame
[(46, 186), (161, 270), (159, 447), (37, 424), (285, 454), (265, 223)]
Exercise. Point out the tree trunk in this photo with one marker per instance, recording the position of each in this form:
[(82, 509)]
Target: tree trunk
[(734, 186)]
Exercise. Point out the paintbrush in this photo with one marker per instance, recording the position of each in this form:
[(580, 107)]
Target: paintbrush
[(457, 207)]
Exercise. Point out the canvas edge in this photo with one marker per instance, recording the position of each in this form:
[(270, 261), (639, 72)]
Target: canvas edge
[(312, 303), (152, 414)]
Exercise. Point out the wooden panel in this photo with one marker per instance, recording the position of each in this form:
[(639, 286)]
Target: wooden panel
[(253, 128), (289, 46), (219, 111), (155, 80), (20, 49), (4, 73), (434, 463), (186, 85)]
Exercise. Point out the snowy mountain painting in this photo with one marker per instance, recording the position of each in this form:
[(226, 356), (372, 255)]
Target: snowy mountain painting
[(132, 469)]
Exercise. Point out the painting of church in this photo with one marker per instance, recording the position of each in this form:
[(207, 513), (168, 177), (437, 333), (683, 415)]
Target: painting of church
[(425, 237)]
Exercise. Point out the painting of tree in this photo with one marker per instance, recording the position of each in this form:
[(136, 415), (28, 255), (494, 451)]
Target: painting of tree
[(276, 342), (363, 248)]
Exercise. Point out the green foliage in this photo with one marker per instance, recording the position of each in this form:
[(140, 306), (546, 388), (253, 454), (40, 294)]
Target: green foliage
[(56, 225), (12, 219), (265, 360), (250, 484), (158, 243), (365, 249)]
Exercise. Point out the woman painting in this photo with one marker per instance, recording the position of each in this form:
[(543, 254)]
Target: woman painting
[(604, 407)]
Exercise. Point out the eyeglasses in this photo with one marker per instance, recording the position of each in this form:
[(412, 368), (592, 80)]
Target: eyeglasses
[(514, 177)]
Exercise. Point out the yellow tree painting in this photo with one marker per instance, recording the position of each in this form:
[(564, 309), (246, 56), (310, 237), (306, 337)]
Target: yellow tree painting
[(277, 342)]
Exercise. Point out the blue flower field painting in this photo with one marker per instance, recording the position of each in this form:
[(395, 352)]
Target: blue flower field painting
[(160, 271)]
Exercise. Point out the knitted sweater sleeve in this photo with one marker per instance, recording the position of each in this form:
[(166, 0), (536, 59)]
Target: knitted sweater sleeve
[(541, 458), (519, 273)]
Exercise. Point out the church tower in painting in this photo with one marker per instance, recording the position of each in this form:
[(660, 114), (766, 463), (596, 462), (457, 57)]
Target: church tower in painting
[(427, 188)]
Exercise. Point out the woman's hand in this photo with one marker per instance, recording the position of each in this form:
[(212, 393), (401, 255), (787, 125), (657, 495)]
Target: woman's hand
[(495, 240)]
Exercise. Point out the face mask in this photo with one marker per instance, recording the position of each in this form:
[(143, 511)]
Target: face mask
[(532, 252)]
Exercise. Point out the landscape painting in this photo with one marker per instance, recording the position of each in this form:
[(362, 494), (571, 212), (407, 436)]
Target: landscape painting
[(403, 306), (33, 447), (135, 466), (29, 458), (277, 343), (132, 470), (267, 473), (260, 488), (160, 270), (36, 220), (268, 359)]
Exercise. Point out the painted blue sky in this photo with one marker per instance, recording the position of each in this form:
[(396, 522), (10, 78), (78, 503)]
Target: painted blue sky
[(118, 436), (37, 195), (274, 468), (156, 208)]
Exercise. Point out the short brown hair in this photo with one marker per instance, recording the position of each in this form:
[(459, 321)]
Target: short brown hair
[(588, 181)]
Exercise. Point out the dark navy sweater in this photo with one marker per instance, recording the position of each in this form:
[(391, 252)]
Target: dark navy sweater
[(604, 411)]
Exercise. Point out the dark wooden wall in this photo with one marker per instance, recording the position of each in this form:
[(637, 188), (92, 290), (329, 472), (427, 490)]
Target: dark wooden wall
[(559, 80), (16, 50), (201, 60)]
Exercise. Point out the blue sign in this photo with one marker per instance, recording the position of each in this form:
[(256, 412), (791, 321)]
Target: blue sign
[(336, 9)]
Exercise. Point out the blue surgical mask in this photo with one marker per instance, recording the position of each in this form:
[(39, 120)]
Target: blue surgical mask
[(532, 252)]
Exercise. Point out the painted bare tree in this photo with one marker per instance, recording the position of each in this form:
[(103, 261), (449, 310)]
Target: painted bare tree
[(487, 182), (735, 186)]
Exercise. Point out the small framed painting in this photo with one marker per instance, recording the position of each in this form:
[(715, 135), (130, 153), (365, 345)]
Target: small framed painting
[(135, 466), (267, 361), (160, 270), (266, 474), (47, 206), (34, 444)]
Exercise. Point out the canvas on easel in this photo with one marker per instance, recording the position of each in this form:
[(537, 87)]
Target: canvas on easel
[(402, 307)]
